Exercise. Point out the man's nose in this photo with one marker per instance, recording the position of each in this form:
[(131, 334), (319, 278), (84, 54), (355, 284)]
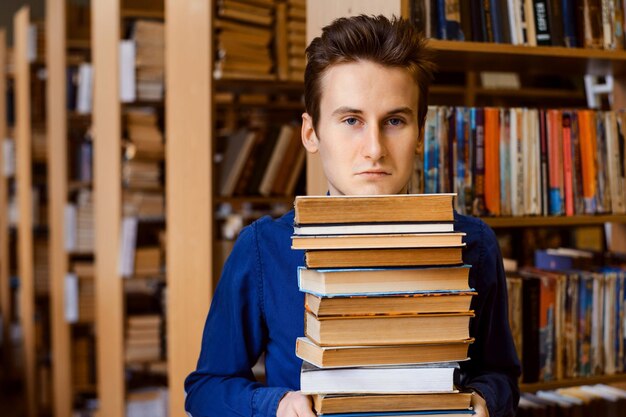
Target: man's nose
[(374, 143)]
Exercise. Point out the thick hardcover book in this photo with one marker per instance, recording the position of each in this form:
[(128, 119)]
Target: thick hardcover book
[(435, 302), (355, 258), (417, 240), (386, 330), (330, 404), (374, 209), (373, 229), (350, 356), (442, 413), (359, 281), (413, 379)]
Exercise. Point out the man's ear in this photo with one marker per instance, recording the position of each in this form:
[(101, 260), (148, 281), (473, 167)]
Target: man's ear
[(420, 141), (309, 137)]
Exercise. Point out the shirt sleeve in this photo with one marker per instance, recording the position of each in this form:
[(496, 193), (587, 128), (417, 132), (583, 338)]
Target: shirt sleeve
[(234, 337), (494, 368)]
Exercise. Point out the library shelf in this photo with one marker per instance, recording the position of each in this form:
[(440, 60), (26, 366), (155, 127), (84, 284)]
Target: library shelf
[(554, 221)]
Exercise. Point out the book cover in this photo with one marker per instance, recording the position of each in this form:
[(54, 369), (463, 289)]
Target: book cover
[(386, 330), (430, 378), (377, 241), (355, 258), (394, 303), (331, 404), (478, 139), (351, 356), (371, 281), (374, 209), (492, 161)]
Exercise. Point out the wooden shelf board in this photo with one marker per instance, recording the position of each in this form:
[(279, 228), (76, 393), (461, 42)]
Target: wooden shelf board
[(142, 14), (554, 221), (482, 56), (602, 379), (79, 185), (78, 43), (532, 93)]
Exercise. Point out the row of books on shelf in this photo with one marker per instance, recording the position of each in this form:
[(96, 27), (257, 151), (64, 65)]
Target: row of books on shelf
[(383, 334), (260, 40), (523, 162), (586, 400), (568, 23), (260, 161), (567, 317)]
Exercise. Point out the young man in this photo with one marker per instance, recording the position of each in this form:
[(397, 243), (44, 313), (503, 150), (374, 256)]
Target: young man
[(366, 86)]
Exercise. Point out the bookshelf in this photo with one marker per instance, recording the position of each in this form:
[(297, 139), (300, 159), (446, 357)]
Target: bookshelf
[(31, 235)]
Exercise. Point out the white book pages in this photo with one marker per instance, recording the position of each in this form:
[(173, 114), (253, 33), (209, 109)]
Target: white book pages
[(71, 298), (84, 92), (127, 71), (71, 227), (127, 246)]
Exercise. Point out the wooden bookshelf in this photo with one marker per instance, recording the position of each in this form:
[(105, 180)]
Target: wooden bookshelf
[(189, 205), (553, 221), (105, 37), (485, 56), (57, 173), (592, 380), (23, 135), (5, 285)]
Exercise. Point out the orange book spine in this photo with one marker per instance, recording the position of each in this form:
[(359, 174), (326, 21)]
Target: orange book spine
[(588, 158), (492, 161)]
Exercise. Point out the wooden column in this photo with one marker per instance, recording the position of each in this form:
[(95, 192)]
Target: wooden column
[(188, 185), (105, 37), (56, 122), (320, 13), (5, 286), (21, 22)]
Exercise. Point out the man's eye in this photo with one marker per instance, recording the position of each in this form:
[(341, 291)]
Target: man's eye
[(351, 121), (395, 121)]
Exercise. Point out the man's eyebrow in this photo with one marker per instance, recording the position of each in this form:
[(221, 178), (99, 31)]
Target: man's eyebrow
[(406, 110), (346, 109)]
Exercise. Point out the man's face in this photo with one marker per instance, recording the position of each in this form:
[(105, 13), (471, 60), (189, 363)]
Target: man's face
[(368, 131)]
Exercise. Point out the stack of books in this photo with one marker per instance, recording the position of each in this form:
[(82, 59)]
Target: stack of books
[(143, 175), (149, 37), (83, 369), (86, 300), (40, 271), (143, 338), (147, 260), (145, 205), (387, 304), (244, 36)]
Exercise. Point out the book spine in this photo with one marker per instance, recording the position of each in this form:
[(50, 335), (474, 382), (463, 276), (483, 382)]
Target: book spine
[(567, 164), (542, 24), (478, 126), (543, 162), (569, 24), (530, 330), (603, 203), (496, 24)]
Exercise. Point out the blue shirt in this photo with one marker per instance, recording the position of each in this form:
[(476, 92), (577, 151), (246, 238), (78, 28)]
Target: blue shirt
[(257, 308)]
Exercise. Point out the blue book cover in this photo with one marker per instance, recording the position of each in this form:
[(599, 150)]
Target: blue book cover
[(431, 153), (496, 25), (459, 176), (585, 298), (569, 23)]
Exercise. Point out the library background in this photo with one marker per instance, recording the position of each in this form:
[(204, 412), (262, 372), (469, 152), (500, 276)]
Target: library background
[(121, 195)]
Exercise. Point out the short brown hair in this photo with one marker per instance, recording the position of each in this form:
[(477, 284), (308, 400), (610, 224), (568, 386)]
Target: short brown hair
[(391, 43)]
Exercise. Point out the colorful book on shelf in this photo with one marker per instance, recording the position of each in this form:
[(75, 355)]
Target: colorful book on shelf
[(374, 209), (372, 281), (394, 257), (492, 161), (338, 403), (411, 303), (430, 378), (387, 329), (351, 356)]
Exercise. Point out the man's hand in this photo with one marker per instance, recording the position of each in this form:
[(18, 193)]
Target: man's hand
[(480, 405), (294, 404)]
